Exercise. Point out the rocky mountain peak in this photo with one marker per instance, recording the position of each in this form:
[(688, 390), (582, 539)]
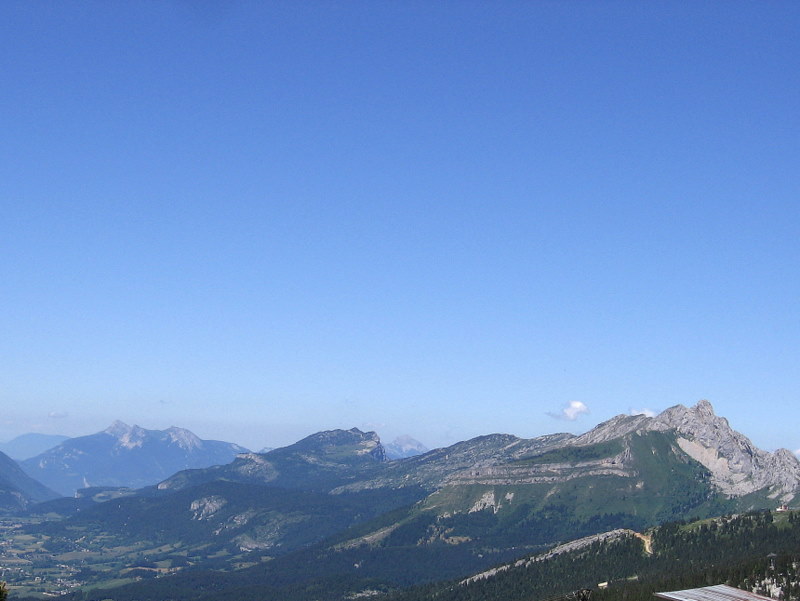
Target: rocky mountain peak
[(691, 419), (134, 437), (701, 424), (118, 429), (698, 422), (123, 455), (184, 438), (703, 407), (372, 446), (737, 466), (127, 436), (403, 447), (353, 442)]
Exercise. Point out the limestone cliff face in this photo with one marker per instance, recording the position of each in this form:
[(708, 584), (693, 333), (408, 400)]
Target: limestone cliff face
[(737, 466), (470, 461), (548, 473)]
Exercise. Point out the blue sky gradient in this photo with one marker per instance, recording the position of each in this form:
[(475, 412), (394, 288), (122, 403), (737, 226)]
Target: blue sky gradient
[(258, 220)]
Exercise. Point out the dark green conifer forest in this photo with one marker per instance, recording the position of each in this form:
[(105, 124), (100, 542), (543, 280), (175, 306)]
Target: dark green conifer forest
[(750, 551), (755, 551)]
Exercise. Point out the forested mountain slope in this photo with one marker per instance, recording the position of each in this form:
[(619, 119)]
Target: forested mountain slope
[(17, 489), (758, 551)]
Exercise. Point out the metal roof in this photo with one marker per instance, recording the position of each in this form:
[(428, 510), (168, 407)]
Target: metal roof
[(719, 592)]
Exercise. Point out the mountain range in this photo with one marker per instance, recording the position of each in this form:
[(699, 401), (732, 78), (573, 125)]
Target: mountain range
[(628, 449), (334, 500), (125, 456)]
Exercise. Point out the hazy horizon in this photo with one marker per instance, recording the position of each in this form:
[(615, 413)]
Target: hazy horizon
[(385, 439)]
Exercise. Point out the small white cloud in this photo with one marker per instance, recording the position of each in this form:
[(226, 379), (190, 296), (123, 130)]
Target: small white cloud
[(57, 414), (645, 412), (572, 411)]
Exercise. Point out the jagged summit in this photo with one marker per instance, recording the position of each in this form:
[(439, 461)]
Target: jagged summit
[(184, 438), (128, 437), (118, 429), (135, 436), (704, 406), (683, 417), (737, 466), (337, 441), (688, 420)]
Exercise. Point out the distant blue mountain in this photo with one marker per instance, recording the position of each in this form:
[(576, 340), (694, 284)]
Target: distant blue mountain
[(403, 447), (30, 445), (127, 456)]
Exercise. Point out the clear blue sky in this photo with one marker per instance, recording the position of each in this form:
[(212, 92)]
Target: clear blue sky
[(258, 220)]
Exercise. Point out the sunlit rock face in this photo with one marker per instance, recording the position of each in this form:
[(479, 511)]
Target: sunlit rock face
[(736, 465)]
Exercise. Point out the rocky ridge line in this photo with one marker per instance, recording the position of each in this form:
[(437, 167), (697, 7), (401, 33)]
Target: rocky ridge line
[(737, 466)]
